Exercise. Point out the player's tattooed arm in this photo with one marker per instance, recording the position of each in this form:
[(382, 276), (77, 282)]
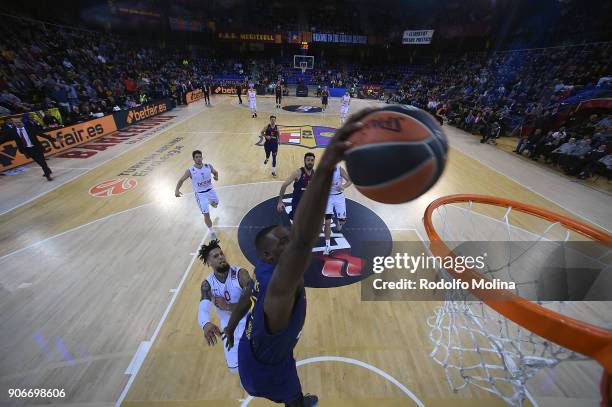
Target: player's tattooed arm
[(211, 331), (206, 291), (244, 278)]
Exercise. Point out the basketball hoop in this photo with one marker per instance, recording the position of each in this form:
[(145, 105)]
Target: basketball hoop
[(303, 62), (498, 344)]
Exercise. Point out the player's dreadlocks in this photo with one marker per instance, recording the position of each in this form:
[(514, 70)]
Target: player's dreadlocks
[(206, 249)]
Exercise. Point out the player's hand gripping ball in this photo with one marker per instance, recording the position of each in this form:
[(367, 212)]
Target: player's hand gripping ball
[(398, 154)]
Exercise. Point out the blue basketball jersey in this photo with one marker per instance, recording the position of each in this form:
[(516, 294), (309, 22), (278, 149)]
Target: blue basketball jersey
[(273, 133), (265, 361), (299, 187)]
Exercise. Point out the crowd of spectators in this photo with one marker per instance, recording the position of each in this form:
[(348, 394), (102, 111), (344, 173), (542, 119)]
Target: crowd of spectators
[(580, 147), (90, 74), (86, 74), (526, 94)]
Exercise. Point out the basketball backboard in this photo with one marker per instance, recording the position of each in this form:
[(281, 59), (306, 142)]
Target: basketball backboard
[(303, 62)]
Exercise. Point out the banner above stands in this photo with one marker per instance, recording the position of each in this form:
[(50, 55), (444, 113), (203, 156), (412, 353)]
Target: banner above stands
[(343, 38), (250, 37), (417, 37)]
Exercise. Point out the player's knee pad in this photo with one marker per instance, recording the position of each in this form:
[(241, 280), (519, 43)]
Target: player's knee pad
[(342, 221), (214, 204), (328, 216)]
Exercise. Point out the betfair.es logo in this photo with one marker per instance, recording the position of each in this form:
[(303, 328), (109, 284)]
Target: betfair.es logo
[(136, 115)]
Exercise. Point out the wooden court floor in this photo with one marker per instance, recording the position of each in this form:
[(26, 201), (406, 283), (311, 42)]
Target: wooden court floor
[(99, 294)]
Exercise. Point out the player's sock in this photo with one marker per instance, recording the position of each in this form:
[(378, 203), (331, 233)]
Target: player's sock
[(327, 247), (213, 235), (274, 171), (339, 226)]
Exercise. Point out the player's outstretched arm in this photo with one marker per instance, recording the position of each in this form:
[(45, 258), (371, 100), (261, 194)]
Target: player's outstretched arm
[(289, 273), (240, 310), (214, 172), (295, 175), (210, 330), (179, 184)]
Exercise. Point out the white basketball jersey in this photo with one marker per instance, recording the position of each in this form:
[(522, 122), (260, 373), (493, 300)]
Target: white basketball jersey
[(230, 290), (346, 100), (336, 181), (252, 94), (200, 178)]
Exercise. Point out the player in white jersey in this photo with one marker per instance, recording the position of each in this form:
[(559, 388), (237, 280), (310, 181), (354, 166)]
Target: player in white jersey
[(344, 107), (222, 288), (203, 190), (336, 203), (252, 101)]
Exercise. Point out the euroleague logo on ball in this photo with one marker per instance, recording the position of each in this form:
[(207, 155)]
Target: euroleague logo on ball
[(349, 246), (112, 187)]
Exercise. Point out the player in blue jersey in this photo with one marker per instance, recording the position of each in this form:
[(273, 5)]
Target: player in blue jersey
[(272, 136), (300, 178), (277, 305)]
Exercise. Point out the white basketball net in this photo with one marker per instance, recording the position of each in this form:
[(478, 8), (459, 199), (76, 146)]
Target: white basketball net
[(472, 342), (303, 66)]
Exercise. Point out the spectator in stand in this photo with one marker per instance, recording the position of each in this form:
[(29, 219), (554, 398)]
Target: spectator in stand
[(528, 143), (605, 164), (493, 132), (583, 147), (546, 144), (50, 121), (583, 165), (563, 150), (74, 116), (469, 121)]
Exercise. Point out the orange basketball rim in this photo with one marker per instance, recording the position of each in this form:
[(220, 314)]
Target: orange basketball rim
[(579, 336)]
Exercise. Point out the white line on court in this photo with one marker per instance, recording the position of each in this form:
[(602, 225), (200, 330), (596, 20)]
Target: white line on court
[(143, 350), (355, 362), (215, 132), (73, 168), (531, 189), (119, 213), (103, 162), (73, 229)]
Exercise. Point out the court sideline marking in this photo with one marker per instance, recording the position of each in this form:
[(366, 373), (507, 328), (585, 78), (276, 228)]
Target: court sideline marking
[(145, 346), (119, 213), (103, 162), (530, 189), (355, 362)]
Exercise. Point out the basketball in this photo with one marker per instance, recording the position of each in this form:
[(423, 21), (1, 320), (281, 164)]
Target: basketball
[(398, 155)]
